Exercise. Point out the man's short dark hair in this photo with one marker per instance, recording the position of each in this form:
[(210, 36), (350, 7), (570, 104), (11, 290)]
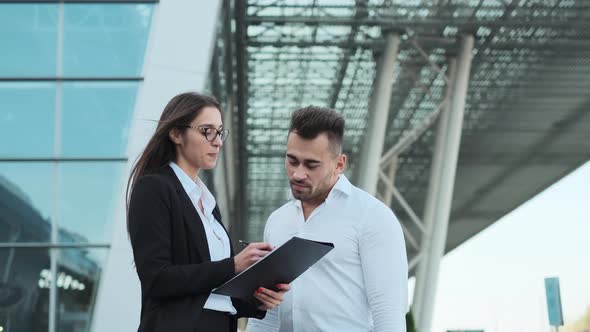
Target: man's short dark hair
[(311, 121)]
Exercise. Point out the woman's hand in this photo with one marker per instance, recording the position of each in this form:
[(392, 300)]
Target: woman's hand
[(250, 255), (270, 298)]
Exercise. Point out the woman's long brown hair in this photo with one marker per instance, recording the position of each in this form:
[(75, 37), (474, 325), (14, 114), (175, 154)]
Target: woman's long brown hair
[(160, 150)]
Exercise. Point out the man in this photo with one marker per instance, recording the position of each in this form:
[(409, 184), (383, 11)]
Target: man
[(361, 285)]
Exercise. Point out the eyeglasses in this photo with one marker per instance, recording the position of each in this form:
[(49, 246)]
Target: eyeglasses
[(210, 133)]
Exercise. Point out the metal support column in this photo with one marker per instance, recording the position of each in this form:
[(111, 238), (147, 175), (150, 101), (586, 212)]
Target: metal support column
[(373, 145), (432, 196), (240, 223), (225, 173), (439, 200)]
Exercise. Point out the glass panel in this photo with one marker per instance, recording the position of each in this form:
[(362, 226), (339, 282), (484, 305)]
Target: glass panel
[(26, 201), (29, 40), (78, 275), (26, 119), (105, 40), (96, 118), (89, 195), (24, 289)]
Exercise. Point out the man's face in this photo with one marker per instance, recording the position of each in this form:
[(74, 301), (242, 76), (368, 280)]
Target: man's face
[(312, 167)]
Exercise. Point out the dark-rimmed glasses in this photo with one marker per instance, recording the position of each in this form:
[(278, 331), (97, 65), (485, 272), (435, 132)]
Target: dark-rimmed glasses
[(210, 133)]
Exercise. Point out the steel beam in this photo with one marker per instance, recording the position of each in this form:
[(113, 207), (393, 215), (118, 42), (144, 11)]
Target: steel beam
[(360, 12), (561, 45), (241, 201), (401, 23), (414, 261), (407, 140), (391, 170), (225, 173), (377, 124), (398, 196), (440, 196), (432, 196), (404, 7)]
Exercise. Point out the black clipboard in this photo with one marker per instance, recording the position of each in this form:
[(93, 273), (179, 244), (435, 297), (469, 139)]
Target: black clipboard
[(283, 265)]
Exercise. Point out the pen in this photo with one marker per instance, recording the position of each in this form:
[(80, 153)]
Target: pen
[(244, 243)]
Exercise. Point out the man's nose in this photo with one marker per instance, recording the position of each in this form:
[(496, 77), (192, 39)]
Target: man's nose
[(298, 174)]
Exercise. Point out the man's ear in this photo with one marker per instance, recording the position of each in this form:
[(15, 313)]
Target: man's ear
[(175, 135), (341, 163)]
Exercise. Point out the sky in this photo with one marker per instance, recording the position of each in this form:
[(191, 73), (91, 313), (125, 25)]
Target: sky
[(495, 280)]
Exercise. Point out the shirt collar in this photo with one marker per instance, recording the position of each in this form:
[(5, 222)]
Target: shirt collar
[(195, 188), (342, 186)]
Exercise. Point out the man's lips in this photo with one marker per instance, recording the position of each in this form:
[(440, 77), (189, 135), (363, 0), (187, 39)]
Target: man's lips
[(298, 186)]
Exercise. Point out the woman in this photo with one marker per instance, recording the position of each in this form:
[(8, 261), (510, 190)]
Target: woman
[(181, 249)]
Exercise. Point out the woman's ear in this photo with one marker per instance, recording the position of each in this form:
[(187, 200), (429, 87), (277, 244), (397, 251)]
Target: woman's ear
[(175, 136)]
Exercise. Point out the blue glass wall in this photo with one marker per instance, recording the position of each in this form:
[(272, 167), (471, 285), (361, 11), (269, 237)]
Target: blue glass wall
[(69, 75)]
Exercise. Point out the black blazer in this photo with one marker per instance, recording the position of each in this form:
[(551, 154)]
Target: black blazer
[(172, 256)]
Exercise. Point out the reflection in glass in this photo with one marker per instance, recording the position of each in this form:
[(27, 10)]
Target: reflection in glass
[(24, 301), (25, 201), (78, 274), (26, 118), (96, 117), (88, 195), (29, 40), (105, 40)]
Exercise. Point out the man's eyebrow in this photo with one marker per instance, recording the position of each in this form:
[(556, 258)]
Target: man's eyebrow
[(309, 161)]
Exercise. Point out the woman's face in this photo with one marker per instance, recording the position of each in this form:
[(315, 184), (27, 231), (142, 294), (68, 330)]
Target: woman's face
[(193, 149)]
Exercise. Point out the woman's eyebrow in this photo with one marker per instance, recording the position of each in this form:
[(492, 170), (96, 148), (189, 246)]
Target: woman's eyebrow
[(209, 125)]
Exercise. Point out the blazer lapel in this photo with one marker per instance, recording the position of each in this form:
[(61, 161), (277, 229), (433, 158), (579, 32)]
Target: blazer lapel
[(194, 224)]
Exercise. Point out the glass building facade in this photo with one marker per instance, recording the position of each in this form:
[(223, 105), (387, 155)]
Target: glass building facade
[(69, 76)]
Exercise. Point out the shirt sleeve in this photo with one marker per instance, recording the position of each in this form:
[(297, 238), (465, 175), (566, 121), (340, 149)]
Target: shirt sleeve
[(271, 322), (385, 269)]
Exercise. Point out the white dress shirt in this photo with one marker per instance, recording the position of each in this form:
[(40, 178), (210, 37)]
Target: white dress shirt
[(361, 285), (219, 246)]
